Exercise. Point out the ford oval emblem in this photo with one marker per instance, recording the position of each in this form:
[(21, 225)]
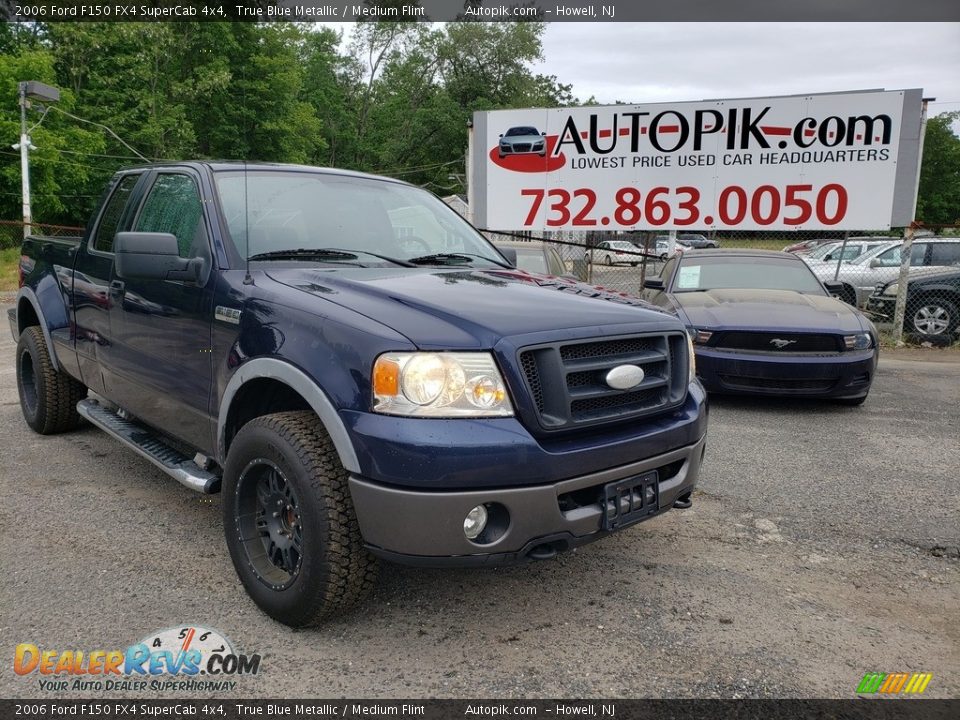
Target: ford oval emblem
[(624, 377)]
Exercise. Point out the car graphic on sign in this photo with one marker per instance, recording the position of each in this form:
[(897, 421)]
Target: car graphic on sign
[(522, 140)]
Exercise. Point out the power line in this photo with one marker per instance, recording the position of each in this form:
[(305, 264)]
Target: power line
[(61, 162), (417, 168), (123, 142), (33, 127), (47, 194), (101, 155)]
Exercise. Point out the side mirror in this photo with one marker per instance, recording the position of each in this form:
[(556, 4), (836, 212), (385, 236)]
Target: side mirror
[(653, 284), (501, 134), (153, 256), (510, 254), (544, 133), (875, 263), (833, 287)]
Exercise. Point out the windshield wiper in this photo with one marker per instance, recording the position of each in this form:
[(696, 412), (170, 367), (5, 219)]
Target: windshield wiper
[(395, 261), (330, 254), (457, 258)]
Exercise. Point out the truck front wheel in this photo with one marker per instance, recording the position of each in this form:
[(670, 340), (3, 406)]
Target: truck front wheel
[(289, 521), (48, 398)]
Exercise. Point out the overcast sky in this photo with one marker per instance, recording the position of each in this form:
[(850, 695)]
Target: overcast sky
[(655, 62)]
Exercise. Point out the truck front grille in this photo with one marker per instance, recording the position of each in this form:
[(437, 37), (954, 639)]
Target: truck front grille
[(567, 381)]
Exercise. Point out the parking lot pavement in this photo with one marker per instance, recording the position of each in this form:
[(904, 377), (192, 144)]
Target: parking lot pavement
[(822, 544)]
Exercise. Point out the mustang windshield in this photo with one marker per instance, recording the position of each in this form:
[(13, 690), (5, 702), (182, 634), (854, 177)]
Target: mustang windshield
[(274, 211), (743, 272)]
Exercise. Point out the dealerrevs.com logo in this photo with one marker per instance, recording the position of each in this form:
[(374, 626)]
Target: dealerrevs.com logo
[(185, 657)]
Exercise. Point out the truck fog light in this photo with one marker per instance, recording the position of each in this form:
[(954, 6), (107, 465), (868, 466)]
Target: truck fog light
[(475, 522)]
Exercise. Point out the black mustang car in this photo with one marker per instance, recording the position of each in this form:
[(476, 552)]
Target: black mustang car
[(762, 323)]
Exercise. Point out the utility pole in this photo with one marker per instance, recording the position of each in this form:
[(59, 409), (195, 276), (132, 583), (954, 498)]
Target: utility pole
[(27, 90), (24, 159)]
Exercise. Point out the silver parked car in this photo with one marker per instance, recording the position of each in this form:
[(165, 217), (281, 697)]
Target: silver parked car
[(832, 252), (522, 140), (882, 265)]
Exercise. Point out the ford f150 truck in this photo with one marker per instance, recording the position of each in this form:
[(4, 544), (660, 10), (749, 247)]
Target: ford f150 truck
[(358, 372)]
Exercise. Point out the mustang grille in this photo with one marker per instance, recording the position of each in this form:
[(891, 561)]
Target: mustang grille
[(786, 342), (567, 381)]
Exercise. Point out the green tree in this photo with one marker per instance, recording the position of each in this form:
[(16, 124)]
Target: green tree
[(61, 176), (328, 88), (486, 65), (938, 199)]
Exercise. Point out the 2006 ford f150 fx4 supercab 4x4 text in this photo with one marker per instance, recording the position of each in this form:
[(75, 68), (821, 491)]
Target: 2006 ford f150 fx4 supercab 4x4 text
[(358, 371)]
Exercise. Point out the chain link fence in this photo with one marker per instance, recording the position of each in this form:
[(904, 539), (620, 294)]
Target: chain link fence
[(866, 266), (11, 232)]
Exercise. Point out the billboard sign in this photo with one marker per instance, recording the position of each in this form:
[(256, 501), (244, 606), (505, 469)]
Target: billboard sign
[(841, 161)]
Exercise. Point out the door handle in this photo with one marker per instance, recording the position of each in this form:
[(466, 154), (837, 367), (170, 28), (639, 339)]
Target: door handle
[(117, 286)]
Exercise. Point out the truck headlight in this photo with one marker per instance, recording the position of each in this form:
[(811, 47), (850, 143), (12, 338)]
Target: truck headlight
[(454, 384), (860, 341), (693, 358)]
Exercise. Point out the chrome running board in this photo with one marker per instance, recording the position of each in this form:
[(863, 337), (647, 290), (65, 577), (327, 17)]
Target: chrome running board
[(147, 444)]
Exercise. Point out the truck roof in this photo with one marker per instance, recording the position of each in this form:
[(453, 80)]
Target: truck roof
[(234, 165)]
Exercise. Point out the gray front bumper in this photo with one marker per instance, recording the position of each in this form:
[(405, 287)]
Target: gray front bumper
[(417, 527)]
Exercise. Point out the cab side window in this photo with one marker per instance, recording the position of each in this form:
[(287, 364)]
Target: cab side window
[(174, 206), (112, 212)]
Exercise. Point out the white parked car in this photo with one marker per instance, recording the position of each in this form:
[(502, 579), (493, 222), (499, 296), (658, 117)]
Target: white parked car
[(616, 252), (882, 265)]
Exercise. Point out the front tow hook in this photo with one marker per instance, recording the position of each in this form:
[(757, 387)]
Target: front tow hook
[(683, 502)]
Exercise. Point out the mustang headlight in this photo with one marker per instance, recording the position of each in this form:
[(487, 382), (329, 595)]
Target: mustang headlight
[(860, 341), (455, 384)]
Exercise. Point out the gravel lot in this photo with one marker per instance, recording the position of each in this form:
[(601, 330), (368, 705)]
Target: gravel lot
[(822, 544)]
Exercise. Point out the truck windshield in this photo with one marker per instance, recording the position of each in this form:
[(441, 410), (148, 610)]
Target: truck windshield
[(269, 212)]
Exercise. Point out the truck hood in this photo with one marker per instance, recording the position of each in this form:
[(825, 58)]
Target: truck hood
[(776, 310), (466, 308)]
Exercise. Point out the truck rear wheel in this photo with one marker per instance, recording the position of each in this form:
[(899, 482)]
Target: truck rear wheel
[(48, 398), (289, 521)]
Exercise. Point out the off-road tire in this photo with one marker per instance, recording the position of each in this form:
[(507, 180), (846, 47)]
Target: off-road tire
[(48, 398), (335, 570)]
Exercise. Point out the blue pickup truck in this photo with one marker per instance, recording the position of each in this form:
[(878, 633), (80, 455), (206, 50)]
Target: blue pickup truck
[(359, 373)]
